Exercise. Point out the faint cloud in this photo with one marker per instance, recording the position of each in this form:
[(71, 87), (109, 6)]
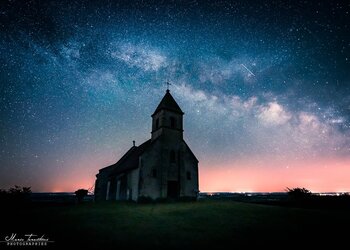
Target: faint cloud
[(71, 50), (218, 71), (233, 124), (141, 57), (274, 114), (308, 122), (215, 72), (337, 121), (200, 99), (250, 103), (101, 80)]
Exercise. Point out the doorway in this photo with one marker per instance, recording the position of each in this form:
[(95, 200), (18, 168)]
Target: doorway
[(173, 189)]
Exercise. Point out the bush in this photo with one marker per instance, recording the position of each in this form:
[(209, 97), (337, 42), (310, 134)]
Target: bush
[(15, 195), (298, 193), (80, 194)]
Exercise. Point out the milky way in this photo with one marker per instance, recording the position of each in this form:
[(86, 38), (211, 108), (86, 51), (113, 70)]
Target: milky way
[(265, 87)]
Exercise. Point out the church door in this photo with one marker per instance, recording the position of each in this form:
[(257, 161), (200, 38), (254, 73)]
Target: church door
[(173, 189)]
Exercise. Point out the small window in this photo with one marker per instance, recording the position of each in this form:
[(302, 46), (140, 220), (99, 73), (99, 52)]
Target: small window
[(157, 123), (188, 175), (172, 156), (172, 122), (154, 173)]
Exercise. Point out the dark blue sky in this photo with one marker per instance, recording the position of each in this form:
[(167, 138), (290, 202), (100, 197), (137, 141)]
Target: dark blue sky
[(263, 84)]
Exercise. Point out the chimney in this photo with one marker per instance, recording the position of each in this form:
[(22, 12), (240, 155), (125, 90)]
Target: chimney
[(133, 143)]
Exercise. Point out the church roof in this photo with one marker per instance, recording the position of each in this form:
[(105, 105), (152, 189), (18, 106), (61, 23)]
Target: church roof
[(189, 149), (168, 103), (130, 159)]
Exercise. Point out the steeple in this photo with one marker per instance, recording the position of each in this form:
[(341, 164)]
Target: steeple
[(167, 118), (168, 103)]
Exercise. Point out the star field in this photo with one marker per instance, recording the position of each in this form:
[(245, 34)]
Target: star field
[(265, 87)]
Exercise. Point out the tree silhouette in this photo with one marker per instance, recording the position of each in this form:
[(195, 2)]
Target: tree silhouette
[(80, 194), (16, 194), (18, 190), (298, 193)]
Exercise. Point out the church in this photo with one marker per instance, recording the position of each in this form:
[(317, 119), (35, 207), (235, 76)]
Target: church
[(163, 167)]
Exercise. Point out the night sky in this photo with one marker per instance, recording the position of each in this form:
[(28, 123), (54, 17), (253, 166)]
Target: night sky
[(265, 87)]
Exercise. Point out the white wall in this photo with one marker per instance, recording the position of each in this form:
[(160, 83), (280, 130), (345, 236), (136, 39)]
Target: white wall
[(133, 183)]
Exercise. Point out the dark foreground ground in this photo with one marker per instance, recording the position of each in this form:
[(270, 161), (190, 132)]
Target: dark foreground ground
[(207, 224)]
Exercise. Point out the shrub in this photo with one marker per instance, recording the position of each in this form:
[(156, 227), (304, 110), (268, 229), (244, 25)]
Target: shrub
[(298, 193), (15, 195), (80, 194)]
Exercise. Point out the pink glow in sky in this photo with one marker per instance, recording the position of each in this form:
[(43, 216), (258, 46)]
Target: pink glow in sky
[(323, 176)]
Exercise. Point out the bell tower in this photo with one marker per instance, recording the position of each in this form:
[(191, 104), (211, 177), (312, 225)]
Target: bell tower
[(167, 119)]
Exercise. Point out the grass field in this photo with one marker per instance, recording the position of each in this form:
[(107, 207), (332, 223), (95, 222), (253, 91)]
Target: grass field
[(214, 224)]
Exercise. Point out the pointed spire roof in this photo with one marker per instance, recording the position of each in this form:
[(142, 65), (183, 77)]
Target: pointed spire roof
[(168, 103)]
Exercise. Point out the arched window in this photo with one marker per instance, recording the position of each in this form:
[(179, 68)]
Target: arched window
[(172, 156), (172, 122)]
